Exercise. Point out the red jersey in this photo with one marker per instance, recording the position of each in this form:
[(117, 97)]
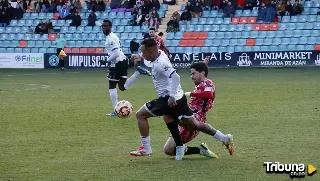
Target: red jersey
[(161, 45), (202, 105)]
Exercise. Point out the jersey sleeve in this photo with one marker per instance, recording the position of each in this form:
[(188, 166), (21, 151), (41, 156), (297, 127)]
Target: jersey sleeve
[(208, 86), (165, 69)]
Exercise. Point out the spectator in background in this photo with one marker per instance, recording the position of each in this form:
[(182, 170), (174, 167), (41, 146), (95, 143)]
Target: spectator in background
[(146, 20), (172, 25), (52, 7), (240, 4), (289, 9), (41, 28), (156, 4), (207, 4), (154, 19), (250, 4), (4, 18), (76, 19), (49, 25), (9, 12), (229, 10), (36, 6), (297, 8), (189, 6), (64, 12), (77, 4), (134, 46), (160, 34), (185, 16), (281, 8), (223, 4), (18, 12), (272, 5), (216, 4), (197, 11), (101, 5), (92, 18), (176, 15), (139, 17)]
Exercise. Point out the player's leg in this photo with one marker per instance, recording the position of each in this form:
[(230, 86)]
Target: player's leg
[(113, 81), (142, 117), (61, 59), (191, 124), (187, 136), (157, 107), (185, 114)]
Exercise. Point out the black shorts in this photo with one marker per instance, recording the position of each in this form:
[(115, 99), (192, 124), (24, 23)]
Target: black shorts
[(160, 107), (120, 71)]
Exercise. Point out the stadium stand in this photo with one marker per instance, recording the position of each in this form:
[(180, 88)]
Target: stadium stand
[(212, 32)]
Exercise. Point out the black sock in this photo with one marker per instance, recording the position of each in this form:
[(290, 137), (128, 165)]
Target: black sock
[(173, 127), (190, 151)]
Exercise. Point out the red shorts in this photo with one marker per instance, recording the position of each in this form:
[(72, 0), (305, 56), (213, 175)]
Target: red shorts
[(187, 135)]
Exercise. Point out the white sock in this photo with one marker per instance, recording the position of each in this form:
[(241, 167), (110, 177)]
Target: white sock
[(131, 79), (220, 136), (145, 140), (113, 97)]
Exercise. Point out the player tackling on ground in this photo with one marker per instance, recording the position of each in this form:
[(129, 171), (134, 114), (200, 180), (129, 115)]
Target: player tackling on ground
[(201, 102), (172, 103), (118, 65)]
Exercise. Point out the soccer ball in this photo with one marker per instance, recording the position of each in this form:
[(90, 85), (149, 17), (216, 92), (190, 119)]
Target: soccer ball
[(124, 109)]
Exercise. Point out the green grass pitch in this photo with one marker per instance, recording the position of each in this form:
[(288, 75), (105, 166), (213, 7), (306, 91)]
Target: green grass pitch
[(53, 127)]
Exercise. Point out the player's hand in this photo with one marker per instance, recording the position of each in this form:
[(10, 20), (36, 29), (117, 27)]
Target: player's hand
[(135, 58), (187, 94), (172, 102), (206, 60)]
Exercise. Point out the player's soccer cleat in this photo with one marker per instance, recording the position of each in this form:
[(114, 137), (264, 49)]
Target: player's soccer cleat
[(141, 152), (112, 114), (180, 150), (143, 71), (229, 144), (204, 150)]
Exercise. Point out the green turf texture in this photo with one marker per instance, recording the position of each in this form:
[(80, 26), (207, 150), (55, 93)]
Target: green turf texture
[(53, 126)]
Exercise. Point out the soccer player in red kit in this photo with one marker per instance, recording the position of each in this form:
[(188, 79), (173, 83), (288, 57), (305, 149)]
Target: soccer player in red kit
[(202, 100), (159, 40)]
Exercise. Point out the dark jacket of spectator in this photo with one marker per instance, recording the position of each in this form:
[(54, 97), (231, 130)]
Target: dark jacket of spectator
[(102, 6), (134, 46), (297, 8), (156, 4), (229, 9), (186, 16), (92, 18), (189, 7), (76, 20), (18, 12)]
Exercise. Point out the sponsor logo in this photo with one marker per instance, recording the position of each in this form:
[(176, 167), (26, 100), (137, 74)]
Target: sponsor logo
[(29, 58), (244, 60), (53, 60), (295, 169)]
